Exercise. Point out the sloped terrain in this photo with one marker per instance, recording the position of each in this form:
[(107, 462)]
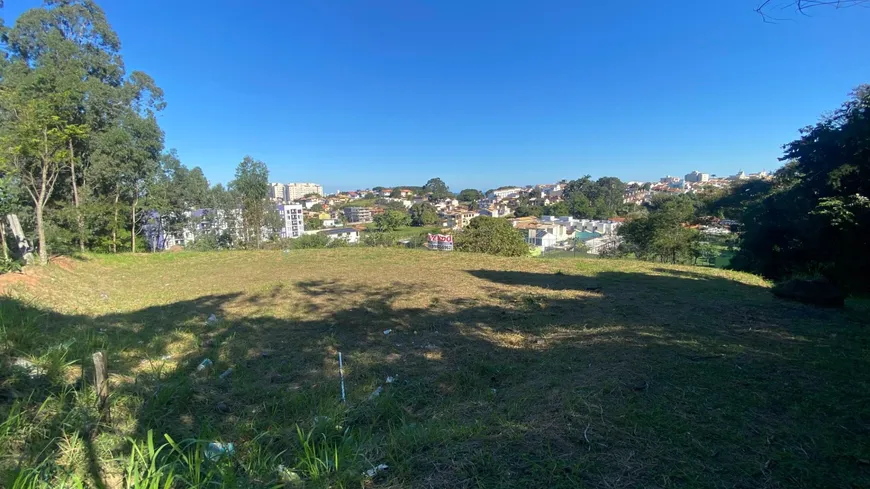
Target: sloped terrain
[(506, 373)]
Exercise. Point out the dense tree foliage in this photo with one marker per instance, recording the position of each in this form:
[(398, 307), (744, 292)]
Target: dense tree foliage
[(423, 214), (815, 217), (470, 195), (79, 134), (600, 199), (664, 233), (392, 220), (491, 235), (437, 189)]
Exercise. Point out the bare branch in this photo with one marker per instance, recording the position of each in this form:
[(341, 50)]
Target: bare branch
[(770, 9)]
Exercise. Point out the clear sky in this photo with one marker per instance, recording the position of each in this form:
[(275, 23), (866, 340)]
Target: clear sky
[(359, 93)]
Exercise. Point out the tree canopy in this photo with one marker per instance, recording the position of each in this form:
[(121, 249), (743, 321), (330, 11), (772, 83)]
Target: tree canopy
[(815, 216), (470, 195), (491, 235), (423, 214), (437, 188)]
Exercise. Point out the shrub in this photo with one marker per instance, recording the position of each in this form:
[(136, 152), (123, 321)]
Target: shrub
[(9, 265), (491, 235), (815, 291), (309, 241)]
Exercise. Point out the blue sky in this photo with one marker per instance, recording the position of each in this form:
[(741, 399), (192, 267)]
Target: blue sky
[(358, 93)]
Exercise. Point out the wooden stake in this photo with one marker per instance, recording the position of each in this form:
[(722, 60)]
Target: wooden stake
[(102, 381)]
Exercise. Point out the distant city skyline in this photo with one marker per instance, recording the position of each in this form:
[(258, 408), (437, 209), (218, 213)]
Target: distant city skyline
[(356, 94)]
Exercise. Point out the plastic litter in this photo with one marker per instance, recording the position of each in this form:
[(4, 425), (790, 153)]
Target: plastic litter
[(166, 357), (226, 373), (341, 374), (288, 476), (388, 331), (391, 379), (376, 393), (204, 365), (216, 450), (211, 319), (29, 367), (376, 470)]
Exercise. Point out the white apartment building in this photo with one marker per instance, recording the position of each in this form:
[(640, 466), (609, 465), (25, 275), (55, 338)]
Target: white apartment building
[(295, 191), (506, 192), (294, 220), (697, 177), (277, 192)]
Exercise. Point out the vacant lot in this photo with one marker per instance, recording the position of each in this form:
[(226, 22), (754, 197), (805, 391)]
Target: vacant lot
[(507, 373)]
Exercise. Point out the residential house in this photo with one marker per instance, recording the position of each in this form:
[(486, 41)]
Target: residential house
[(350, 235), (458, 219)]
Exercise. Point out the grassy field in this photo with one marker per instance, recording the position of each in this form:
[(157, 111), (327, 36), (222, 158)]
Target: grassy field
[(507, 372)]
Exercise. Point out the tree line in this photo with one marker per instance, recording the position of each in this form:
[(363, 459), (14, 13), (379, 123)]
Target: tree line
[(82, 156), (811, 220)]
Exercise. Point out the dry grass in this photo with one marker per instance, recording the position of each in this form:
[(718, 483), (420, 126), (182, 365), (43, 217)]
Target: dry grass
[(512, 372)]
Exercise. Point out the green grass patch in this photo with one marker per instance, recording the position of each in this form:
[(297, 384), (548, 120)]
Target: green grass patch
[(506, 372)]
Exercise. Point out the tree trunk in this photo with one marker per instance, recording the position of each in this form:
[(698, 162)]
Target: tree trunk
[(133, 218), (80, 221), (3, 238), (40, 231), (115, 226)]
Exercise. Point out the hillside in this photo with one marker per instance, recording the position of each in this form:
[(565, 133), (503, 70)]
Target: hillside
[(509, 372)]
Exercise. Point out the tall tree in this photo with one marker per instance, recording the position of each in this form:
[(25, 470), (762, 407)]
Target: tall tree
[(816, 217), (35, 146), (252, 185), (470, 194), (437, 188), (423, 214)]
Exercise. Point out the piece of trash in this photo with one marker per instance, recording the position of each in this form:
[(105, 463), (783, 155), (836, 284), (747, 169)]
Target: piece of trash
[(376, 393), (204, 365), (226, 373), (216, 450), (388, 331), (288, 476), (30, 368), (492, 390), (104, 296), (320, 419), (211, 319), (391, 379), (376, 470), (166, 357)]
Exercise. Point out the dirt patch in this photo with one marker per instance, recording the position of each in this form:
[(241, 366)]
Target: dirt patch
[(64, 262), (27, 277)]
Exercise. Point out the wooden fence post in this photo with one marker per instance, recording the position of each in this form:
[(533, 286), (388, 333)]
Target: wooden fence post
[(102, 381)]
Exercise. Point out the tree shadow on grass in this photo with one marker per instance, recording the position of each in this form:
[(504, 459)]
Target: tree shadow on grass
[(543, 380)]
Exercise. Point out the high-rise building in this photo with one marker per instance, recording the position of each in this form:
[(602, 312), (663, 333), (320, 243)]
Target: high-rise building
[(696, 177), (294, 220), (277, 192), (295, 191)]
